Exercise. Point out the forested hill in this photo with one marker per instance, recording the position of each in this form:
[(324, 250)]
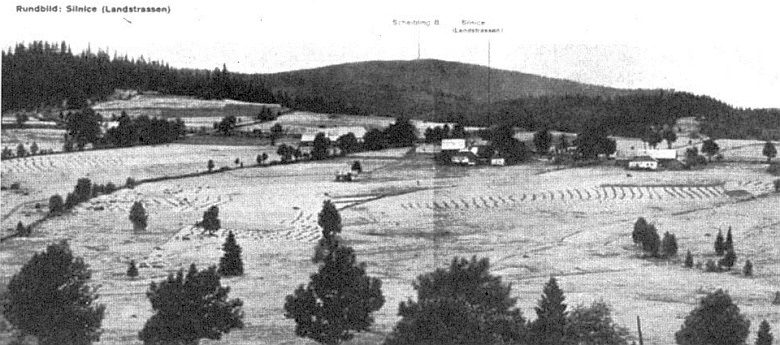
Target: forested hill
[(50, 75)]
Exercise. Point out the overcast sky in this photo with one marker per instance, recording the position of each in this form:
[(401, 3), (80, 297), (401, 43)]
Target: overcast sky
[(728, 51)]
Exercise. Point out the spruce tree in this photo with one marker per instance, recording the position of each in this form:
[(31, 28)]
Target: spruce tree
[(639, 230), (651, 242), (669, 245), (132, 270), (728, 260), (729, 245), (764, 334), (689, 260), (549, 328), (138, 216), (720, 246), (231, 264), (748, 269), (210, 221)]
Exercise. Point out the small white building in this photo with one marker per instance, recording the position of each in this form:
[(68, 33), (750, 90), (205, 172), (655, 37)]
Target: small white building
[(499, 161), (453, 144), (662, 154), (643, 162)]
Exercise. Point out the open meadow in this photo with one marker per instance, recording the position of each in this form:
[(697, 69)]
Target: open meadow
[(405, 216)]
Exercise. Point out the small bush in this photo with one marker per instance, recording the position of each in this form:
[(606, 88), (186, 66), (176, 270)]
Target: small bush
[(777, 186), (774, 169), (130, 182), (711, 266), (689, 260), (132, 271), (748, 269)]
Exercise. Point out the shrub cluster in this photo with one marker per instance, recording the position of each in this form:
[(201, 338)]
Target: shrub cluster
[(83, 191)]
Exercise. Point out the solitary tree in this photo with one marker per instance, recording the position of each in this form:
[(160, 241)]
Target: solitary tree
[(231, 264), (710, 148), (132, 270), (769, 151), (338, 300), (189, 308), (34, 148), (549, 328), (49, 298), (357, 167), (463, 304), (210, 220), (747, 270), (689, 260), (210, 165), (138, 216), (593, 325), (715, 321), (764, 334), (720, 246)]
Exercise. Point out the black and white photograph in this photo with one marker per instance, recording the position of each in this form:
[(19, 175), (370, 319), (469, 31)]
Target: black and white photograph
[(389, 173)]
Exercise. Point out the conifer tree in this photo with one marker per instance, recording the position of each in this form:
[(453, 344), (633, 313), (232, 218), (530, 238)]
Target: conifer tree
[(651, 242), (728, 260), (210, 165), (720, 246), (210, 220), (748, 269), (132, 270), (549, 328), (231, 264), (138, 216), (669, 245), (729, 245), (639, 230), (689, 260), (764, 334)]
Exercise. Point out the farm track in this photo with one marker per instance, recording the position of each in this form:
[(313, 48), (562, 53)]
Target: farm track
[(599, 194)]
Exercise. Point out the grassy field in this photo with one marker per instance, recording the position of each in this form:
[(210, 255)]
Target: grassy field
[(406, 216)]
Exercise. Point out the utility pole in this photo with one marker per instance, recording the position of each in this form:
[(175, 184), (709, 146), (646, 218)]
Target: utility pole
[(639, 330)]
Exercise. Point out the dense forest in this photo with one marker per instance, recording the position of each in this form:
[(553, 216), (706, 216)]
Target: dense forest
[(50, 75)]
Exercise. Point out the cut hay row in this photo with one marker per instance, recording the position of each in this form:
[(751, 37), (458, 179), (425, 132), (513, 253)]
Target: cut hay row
[(36, 164), (610, 193)]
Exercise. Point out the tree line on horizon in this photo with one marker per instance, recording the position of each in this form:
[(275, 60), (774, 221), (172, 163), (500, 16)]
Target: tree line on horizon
[(43, 74)]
